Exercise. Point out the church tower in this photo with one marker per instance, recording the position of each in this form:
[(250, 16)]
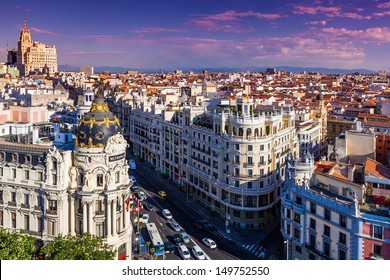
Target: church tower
[(99, 188), (24, 44)]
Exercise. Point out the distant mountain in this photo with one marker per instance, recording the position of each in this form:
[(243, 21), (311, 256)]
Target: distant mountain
[(322, 70)]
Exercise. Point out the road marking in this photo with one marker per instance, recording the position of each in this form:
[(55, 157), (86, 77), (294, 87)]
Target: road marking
[(246, 247), (251, 247)]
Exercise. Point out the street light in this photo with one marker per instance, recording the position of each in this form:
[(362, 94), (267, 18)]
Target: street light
[(286, 242)]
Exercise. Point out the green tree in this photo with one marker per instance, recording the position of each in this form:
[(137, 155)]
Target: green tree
[(16, 246), (84, 247)]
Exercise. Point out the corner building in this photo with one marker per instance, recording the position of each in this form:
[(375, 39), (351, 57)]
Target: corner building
[(47, 192)]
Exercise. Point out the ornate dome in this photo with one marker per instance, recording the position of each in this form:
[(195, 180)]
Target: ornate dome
[(97, 126)]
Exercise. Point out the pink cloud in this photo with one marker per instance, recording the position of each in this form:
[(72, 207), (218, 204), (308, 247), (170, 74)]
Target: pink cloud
[(384, 5), (151, 30), (382, 14), (44, 31), (320, 22), (228, 21), (328, 11), (377, 35)]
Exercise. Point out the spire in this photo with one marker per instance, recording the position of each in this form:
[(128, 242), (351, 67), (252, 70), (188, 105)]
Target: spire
[(24, 24)]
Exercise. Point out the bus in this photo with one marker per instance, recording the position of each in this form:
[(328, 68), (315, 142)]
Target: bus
[(155, 239)]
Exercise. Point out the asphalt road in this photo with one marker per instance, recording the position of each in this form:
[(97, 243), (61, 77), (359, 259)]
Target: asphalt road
[(182, 211)]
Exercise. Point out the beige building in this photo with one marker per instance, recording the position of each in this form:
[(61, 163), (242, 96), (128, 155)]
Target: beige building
[(34, 56)]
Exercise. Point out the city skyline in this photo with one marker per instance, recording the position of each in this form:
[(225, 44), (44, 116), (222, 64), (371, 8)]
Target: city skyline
[(150, 34)]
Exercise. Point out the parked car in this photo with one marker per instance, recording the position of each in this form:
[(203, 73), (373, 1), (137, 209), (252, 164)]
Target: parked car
[(198, 253), (135, 187), (132, 179), (209, 243), (176, 240), (184, 236), (132, 164), (142, 196), (184, 253), (167, 214), (145, 218), (168, 247), (162, 194), (148, 206), (175, 226)]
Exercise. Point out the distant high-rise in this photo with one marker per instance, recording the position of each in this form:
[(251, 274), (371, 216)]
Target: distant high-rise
[(11, 57), (88, 70), (34, 56)]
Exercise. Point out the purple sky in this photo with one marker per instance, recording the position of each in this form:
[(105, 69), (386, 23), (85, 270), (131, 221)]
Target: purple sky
[(213, 33)]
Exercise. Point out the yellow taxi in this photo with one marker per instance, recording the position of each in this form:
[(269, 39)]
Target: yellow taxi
[(162, 194)]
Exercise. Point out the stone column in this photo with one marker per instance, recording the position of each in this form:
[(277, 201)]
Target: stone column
[(108, 218), (72, 216), (90, 218), (114, 233), (85, 217)]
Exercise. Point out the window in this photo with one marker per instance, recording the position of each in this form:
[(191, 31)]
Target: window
[(53, 205), (13, 197), (326, 230), (288, 213), (297, 218), (378, 232), (40, 224), (237, 147), (250, 160), (343, 221), (249, 185), (1, 171), (326, 249), (342, 255), (342, 238), (26, 199), (54, 179), (288, 229), (298, 200), (117, 177), (312, 223), (312, 241), (51, 228), (377, 250), (237, 184), (27, 174), (298, 249), (13, 219), (1, 218), (236, 213), (313, 208), (250, 148), (99, 180), (100, 230), (26, 222), (249, 215), (327, 214), (13, 170), (40, 176), (297, 233), (250, 173)]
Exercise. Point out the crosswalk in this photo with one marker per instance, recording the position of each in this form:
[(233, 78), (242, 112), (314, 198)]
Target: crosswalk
[(255, 249), (220, 233)]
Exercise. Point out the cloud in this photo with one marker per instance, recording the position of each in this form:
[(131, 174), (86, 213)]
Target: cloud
[(385, 5), (320, 22), (97, 52), (44, 31), (327, 11), (109, 39), (377, 35), (382, 14), (152, 30), (228, 21)]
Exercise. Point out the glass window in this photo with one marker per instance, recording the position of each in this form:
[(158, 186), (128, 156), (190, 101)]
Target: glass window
[(326, 230), (342, 238), (378, 232), (312, 223)]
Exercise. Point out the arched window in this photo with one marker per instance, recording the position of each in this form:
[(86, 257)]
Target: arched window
[(240, 132), (256, 132), (267, 130), (248, 132), (234, 131)]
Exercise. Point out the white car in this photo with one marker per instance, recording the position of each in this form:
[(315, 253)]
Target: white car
[(132, 164), (209, 243), (184, 236), (198, 253), (142, 196), (167, 214), (132, 179), (145, 218), (184, 253)]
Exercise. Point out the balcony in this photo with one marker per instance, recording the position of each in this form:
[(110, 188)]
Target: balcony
[(261, 163), (25, 206), (313, 250), (249, 164), (51, 212), (12, 203), (99, 213), (38, 208), (236, 162)]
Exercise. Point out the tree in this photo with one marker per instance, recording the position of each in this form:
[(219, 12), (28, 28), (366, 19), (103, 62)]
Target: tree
[(84, 247), (16, 246)]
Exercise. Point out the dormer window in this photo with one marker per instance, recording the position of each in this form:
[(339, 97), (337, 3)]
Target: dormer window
[(28, 159), (14, 157)]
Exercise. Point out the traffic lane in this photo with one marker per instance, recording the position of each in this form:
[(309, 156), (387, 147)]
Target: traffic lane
[(183, 214)]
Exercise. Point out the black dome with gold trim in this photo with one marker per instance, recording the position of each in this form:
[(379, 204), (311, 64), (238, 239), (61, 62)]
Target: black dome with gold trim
[(97, 126)]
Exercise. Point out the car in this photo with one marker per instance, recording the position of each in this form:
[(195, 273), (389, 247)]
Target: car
[(168, 247), (176, 239), (198, 253), (142, 196), (162, 194), (202, 225), (184, 236), (145, 218), (209, 243), (184, 253), (148, 206), (135, 187), (175, 226), (167, 214), (132, 164), (132, 179)]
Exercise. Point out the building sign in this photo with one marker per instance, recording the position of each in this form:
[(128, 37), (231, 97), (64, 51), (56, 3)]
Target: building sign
[(117, 157)]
